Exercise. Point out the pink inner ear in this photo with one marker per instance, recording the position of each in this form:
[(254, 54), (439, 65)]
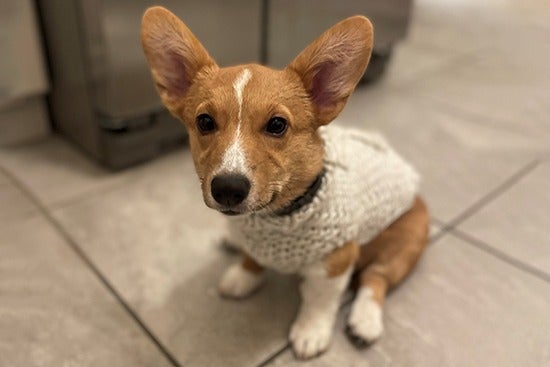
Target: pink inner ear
[(324, 88), (335, 75), (175, 74)]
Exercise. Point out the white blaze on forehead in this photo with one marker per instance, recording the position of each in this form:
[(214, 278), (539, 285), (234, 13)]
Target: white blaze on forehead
[(234, 159), (238, 86)]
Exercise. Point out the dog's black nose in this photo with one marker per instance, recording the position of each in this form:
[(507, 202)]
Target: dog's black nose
[(230, 190)]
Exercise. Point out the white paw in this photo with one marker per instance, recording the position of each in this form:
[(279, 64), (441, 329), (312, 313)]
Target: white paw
[(312, 337), (238, 282), (365, 319)]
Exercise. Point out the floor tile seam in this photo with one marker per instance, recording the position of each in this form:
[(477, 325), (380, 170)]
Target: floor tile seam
[(274, 355), (465, 113), (499, 255), (460, 110), (502, 21), (444, 230), (459, 59), (344, 305), (493, 194), (438, 222), (403, 86), (81, 254), (12, 182), (58, 204), (77, 199), (424, 72)]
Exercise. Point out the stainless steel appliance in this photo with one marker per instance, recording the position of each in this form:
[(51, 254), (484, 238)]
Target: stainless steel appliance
[(103, 97), (23, 82), (293, 24)]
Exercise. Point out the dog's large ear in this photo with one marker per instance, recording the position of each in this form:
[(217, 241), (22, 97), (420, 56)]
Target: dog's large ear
[(173, 53), (333, 64)]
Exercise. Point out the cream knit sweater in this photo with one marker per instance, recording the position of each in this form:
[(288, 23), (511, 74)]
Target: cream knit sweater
[(365, 188)]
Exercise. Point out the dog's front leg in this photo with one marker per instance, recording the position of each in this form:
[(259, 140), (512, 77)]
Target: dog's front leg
[(321, 291), (241, 279)]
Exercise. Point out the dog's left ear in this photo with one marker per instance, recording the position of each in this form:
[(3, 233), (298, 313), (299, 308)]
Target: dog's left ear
[(333, 64)]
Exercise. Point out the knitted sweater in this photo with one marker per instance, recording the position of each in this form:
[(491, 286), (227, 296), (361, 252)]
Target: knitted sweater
[(366, 186)]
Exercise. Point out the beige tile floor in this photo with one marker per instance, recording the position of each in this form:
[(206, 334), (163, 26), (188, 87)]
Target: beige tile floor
[(100, 269)]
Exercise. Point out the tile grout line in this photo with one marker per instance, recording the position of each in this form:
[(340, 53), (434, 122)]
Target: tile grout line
[(446, 228), (405, 86), (76, 199), (437, 221), (88, 194), (465, 113), (441, 230), (485, 247), (436, 237), (451, 227), (272, 357), (458, 110), (491, 195), (277, 353), (88, 262)]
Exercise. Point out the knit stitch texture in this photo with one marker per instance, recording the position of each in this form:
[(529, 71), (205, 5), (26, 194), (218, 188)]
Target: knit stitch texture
[(366, 187)]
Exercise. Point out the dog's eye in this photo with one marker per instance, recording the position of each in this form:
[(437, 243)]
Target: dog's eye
[(205, 124), (276, 126)]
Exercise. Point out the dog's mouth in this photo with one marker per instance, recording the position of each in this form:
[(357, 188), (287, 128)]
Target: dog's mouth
[(259, 208), (230, 212)]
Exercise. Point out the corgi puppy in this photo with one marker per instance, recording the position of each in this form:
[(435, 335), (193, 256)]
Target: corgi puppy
[(301, 197)]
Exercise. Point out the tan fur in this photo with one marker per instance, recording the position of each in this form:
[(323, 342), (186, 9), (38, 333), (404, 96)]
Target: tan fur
[(282, 168), (306, 95), (249, 264), (337, 262), (279, 174), (388, 258), (310, 92)]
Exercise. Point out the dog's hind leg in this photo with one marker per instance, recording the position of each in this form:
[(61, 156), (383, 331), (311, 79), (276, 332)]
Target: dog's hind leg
[(384, 263)]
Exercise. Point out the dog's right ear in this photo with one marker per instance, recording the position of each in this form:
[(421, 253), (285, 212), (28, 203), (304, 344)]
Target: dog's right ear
[(175, 56)]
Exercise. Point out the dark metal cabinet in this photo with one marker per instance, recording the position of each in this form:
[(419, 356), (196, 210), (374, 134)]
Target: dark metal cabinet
[(103, 96), (293, 24), (102, 93), (23, 82)]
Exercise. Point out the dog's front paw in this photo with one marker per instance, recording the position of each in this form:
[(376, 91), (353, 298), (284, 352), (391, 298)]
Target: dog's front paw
[(237, 282), (311, 337), (365, 320)]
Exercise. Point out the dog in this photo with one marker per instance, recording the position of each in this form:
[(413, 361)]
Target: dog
[(300, 197)]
